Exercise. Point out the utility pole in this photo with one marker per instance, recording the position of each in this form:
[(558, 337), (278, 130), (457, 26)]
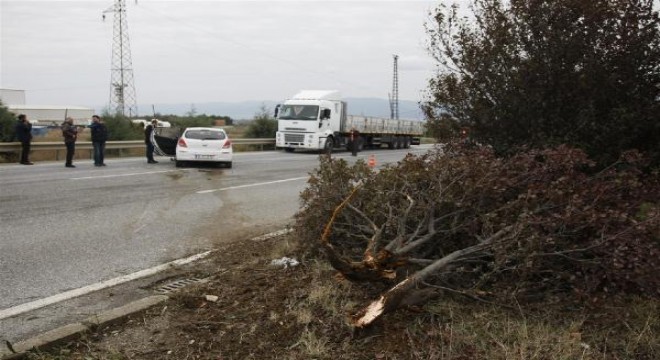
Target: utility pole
[(394, 98), (122, 89)]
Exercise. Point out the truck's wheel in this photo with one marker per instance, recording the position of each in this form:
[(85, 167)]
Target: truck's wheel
[(406, 142), (392, 144), (329, 144), (398, 142)]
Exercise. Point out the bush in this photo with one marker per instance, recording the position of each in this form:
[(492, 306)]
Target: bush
[(572, 234), (194, 120), (121, 128), (262, 126), (7, 124)]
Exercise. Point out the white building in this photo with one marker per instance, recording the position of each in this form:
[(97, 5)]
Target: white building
[(14, 100), (10, 96)]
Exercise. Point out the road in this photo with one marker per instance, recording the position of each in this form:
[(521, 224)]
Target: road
[(63, 229)]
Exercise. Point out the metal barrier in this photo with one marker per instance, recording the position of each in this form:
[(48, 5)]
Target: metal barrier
[(57, 146), (87, 145)]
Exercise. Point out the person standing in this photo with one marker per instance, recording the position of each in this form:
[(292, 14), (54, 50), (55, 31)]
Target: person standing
[(23, 132), (99, 137), (70, 133), (355, 138), (148, 130)]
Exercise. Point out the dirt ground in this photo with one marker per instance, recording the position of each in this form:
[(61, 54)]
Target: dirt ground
[(262, 311)]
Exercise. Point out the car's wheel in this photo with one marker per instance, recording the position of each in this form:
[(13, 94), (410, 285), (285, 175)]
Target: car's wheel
[(289, 150), (178, 163), (228, 164), (329, 145)]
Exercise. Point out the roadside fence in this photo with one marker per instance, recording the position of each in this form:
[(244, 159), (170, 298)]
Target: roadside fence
[(56, 150)]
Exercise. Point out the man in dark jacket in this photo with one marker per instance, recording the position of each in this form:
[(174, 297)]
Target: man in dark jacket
[(70, 133), (148, 130), (23, 131), (354, 139), (99, 137)]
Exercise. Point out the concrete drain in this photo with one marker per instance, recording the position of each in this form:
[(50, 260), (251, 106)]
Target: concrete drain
[(176, 285)]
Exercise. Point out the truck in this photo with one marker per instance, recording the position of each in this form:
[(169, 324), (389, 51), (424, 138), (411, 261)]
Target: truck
[(318, 120)]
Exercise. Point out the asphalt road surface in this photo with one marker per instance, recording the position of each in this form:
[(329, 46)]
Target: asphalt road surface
[(63, 229)]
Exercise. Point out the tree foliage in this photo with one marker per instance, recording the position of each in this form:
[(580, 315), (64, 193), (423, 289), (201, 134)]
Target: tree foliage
[(543, 73), (121, 128), (7, 124), (191, 120), (262, 125), (541, 225)]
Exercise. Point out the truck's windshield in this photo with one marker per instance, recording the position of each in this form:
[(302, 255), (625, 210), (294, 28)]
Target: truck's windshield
[(299, 112)]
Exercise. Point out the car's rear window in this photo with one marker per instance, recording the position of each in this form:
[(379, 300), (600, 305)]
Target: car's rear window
[(205, 134)]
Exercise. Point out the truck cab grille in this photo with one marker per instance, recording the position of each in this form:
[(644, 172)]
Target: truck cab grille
[(299, 138)]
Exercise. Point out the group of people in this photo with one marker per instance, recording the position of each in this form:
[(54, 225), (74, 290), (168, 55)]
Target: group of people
[(99, 135)]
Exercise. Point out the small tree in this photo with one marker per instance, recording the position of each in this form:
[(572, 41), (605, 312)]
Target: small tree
[(542, 73), (263, 126), (202, 120), (7, 123), (121, 128)]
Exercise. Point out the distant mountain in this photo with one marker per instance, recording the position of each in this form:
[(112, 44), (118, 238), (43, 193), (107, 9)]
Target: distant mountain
[(247, 109)]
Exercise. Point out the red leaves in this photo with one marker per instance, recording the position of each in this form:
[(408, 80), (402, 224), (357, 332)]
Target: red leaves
[(582, 229)]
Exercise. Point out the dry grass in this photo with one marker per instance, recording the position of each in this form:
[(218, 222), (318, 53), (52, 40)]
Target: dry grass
[(456, 329), (311, 346)]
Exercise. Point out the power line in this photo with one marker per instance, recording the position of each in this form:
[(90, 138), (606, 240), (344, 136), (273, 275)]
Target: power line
[(262, 53)]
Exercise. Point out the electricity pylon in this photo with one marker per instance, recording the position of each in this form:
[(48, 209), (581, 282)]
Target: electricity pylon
[(394, 98), (122, 89)]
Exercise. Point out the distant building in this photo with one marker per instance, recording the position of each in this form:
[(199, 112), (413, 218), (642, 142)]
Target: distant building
[(45, 115), (10, 96)]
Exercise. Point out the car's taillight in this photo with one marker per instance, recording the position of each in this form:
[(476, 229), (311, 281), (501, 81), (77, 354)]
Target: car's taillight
[(182, 143), (227, 144)]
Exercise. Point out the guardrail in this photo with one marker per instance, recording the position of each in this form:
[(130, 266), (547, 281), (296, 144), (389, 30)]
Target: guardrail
[(9, 151), (87, 145)]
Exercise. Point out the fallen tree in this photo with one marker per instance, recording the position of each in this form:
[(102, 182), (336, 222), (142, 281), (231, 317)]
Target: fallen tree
[(540, 226)]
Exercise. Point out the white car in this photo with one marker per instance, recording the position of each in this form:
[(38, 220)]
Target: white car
[(203, 144)]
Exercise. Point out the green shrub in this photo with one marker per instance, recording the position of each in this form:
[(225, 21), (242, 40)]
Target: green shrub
[(195, 120), (7, 124), (262, 125), (121, 128)]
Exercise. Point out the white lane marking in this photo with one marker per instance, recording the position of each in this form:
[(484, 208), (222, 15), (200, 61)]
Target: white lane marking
[(120, 175), (16, 310), (251, 185)]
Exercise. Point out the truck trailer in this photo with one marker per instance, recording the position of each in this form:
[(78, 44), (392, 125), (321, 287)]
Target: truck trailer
[(318, 120)]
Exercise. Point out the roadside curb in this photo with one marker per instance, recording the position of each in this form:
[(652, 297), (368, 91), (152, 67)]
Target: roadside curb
[(70, 331)]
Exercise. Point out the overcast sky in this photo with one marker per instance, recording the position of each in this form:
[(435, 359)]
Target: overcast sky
[(205, 51)]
